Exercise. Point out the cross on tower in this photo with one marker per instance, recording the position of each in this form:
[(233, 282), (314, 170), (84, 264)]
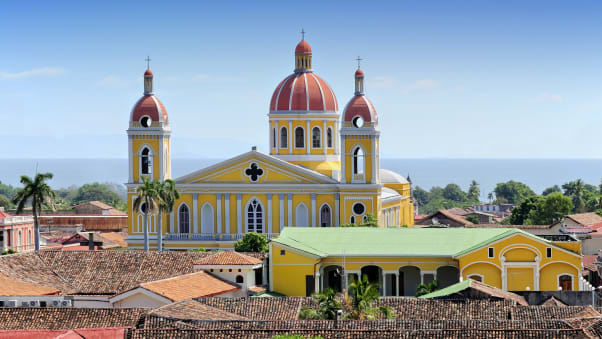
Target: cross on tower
[(148, 60), (358, 61), (302, 34)]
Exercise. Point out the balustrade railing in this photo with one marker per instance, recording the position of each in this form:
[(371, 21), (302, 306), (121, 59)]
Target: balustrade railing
[(213, 236)]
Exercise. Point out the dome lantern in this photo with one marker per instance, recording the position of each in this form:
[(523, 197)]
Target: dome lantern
[(148, 79), (303, 55), (359, 79)]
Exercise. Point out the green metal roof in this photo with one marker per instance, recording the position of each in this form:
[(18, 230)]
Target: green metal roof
[(449, 290), (402, 242)]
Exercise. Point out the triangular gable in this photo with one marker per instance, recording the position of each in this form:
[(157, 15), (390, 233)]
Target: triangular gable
[(512, 233), (270, 170)]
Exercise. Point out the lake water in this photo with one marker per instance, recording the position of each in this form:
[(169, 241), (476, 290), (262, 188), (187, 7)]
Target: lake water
[(537, 173)]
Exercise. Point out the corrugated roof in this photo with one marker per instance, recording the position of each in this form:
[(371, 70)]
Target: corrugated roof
[(357, 241)]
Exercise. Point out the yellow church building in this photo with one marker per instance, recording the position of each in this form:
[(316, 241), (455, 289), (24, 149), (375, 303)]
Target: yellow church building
[(322, 170)]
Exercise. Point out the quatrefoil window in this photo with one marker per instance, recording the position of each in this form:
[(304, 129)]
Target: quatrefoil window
[(254, 172)]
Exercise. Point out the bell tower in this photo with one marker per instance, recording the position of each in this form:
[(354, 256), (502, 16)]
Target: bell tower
[(149, 152)]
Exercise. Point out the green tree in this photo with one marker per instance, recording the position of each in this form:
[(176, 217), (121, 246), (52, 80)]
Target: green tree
[(167, 194), (200, 249), (512, 192), (147, 201), (550, 190), (39, 194), (252, 242), (491, 197), (474, 191), (549, 209), (327, 306), (9, 191), (521, 213), (421, 196), (453, 192), (576, 191), (473, 219), (100, 192), (5, 202), (423, 289), (364, 298)]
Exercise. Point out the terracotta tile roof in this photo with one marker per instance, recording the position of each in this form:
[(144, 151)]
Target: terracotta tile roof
[(192, 285), (29, 267), (522, 227), (95, 203), (586, 219), (448, 215), (12, 287), (460, 211), (473, 289), (229, 258), (116, 238), (23, 318), (588, 261), (190, 310), (553, 302), (89, 333), (260, 308), (257, 289)]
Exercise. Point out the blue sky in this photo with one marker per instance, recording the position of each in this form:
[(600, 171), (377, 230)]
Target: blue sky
[(469, 79)]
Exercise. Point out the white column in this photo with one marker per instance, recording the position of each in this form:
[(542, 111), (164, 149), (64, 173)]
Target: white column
[(277, 127), (373, 157), (195, 212), (269, 213), (336, 209), (219, 213), (161, 158), (313, 210), (324, 140), (384, 284), (131, 158), (239, 213), (343, 161), (281, 205), (291, 137), (290, 210), (308, 138), (5, 240), (171, 223), (334, 137), (227, 212), (397, 283), (317, 283)]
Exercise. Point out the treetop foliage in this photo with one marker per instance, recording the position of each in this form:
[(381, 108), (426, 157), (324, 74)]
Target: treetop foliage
[(252, 242)]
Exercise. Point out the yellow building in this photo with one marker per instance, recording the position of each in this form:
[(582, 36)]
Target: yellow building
[(322, 170), (303, 261)]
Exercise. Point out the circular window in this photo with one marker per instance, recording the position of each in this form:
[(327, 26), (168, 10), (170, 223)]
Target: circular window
[(359, 208), (146, 121), (358, 122), (143, 208)]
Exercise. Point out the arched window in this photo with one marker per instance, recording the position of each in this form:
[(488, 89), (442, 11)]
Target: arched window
[(299, 137), (19, 240), (358, 161), (184, 219), (315, 138), (565, 282), (273, 138), (301, 216), (325, 219), (283, 138), (207, 218), (255, 217), (352, 220), (239, 279), (329, 137), (146, 161)]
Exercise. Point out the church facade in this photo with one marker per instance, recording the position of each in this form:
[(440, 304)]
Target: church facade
[(322, 170)]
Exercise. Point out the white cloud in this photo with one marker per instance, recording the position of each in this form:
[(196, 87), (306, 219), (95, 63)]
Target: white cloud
[(44, 71), (425, 84), (381, 82), (110, 81), (548, 97)]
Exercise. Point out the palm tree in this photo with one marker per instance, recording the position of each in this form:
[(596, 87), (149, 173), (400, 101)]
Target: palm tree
[(168, 194), (39, 193), (490, 197), (364, 296), (146, 200), (327, 306), (423, 289)]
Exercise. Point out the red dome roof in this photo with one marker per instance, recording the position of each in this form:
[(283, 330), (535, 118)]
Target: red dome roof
[(303, 92), (303, 47), (359, 73), (360, 105), (148, 72), (151, 106)]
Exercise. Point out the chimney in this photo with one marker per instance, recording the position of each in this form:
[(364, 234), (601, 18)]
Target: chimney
[(91, 241)]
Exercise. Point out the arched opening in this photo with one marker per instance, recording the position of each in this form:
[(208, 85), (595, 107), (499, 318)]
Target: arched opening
[(283, 137), (255, 216), (184, 219), (565, 282), (301, 216), (358, 161), (374, 274), (332, 278), (447, 276), (352, 220), (207, 218), (239, 279), (146, 161), (325, 216), (299, 137), (273, 138), (409, 279), (315, 138), (329, 137), (476, 277)]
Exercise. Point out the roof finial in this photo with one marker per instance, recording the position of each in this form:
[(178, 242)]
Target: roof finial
[(148, 60), (358, 61), (302, 34)]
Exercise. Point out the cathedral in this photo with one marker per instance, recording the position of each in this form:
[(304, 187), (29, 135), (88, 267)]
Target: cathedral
[(322, 170)]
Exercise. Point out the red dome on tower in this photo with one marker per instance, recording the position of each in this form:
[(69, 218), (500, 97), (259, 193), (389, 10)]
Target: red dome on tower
[(303, 92), (359, 105), (148, 73), (303, 47), (359, 73), (149, 105)]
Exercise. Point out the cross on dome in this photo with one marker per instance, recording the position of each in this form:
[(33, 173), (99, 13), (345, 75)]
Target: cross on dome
[(302, 34), (148, 60), (358, 61)]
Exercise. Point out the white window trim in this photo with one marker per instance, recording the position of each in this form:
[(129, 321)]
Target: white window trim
[(178, 217), (358, 215), (295, 137), (320, 213), (296, 214), (151, 156), (319, 135), (246, 216), (286, 139)]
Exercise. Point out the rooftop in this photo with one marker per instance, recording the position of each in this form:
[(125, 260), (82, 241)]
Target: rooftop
[(193, 285), (228, 258), (481, 288)]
